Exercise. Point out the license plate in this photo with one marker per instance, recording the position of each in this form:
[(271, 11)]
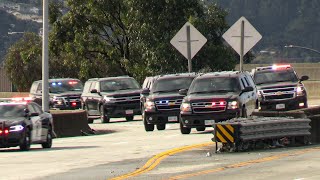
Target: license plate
[(209, 122), (280, 106), (172, 118), (129, 111)]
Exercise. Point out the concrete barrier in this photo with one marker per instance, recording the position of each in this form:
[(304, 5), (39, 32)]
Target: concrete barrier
[(70, 123)]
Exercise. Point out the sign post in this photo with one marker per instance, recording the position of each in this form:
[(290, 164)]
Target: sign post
[(188, 41), (242, 36)]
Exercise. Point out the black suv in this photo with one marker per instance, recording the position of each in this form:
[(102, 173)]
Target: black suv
[(161, 103), (279, 88), (64, 93), (217, 96), (111, 97)]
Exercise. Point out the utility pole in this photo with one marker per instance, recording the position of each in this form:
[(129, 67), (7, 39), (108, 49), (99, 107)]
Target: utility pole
[(45, 57)]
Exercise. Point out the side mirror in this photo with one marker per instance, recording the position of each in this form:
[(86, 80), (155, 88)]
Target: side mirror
[(145, 91), (26, 112), (304, 78), (247, 89), (94, 91), (183, 92)]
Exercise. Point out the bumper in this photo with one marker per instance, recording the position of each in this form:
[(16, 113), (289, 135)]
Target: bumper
[(162, 117), (201, 120), (12, 140), (67, 105), (122, 110), (284, 105)]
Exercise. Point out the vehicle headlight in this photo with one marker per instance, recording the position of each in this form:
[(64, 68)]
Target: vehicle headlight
[(185, 107), (300, 90), (233, 105), (149, 105), (108, 99), (16, 128)]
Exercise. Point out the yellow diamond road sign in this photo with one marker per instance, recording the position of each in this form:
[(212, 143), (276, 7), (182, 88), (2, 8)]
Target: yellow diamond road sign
[(197, 40), (233, 36)]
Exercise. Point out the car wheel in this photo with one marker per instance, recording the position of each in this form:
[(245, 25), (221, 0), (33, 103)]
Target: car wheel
[(201, 128), (147, 127), (48, 143), (129, 118), (244, 112), (103, 117), (26, 141), (161, 126), (184, 130), (90, 120)]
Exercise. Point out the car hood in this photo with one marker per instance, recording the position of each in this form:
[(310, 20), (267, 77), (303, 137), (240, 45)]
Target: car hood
[(158, 96), (200, 97), (9, 121), (67, 93), (120, 93), (277, 85)]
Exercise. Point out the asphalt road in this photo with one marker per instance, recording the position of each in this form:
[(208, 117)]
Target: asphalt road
[(128, 147)]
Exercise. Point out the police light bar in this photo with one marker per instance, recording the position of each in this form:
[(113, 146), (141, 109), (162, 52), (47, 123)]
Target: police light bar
[(275, 67), (21, 99)]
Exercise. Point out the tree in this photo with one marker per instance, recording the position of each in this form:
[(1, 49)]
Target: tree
[(115, 37), (23, 61)]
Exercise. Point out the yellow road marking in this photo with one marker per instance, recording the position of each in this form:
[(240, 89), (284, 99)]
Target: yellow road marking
[(154, 161), (246, 163)]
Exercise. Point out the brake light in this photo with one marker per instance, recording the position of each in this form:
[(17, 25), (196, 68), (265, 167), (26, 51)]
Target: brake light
[(74, 104), (276, 67), (4, 132)]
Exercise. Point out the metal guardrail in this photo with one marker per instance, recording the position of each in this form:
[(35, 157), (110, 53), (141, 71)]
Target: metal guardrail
[(246, 133)]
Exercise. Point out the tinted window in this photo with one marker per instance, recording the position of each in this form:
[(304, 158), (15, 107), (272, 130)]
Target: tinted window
[(12, 110), (118, 84), (275, 76), (66, 85), (217, 84), (171, 84)]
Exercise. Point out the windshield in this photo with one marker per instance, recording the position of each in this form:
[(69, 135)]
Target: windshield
[(268, 77), (171, 84), (64, 86), (217, 85), (12, 110), (118, 84)]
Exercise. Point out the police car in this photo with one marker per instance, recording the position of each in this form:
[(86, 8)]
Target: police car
[(23, 123)]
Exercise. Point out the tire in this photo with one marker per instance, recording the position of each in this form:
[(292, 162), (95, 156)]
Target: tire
[(90, 120), (201, 128), (147, 127), (26, 142), (129, 118), (48, 143), (184, 130), (244, 112), (161, 127), (103, 117)]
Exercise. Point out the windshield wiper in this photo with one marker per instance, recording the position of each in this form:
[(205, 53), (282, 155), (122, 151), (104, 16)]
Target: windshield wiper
[(172, 90), (213, 91)]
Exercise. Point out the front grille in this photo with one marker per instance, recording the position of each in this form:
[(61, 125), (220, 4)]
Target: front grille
[(126, 99), (279, 93), (173, 104), (209, 107)]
